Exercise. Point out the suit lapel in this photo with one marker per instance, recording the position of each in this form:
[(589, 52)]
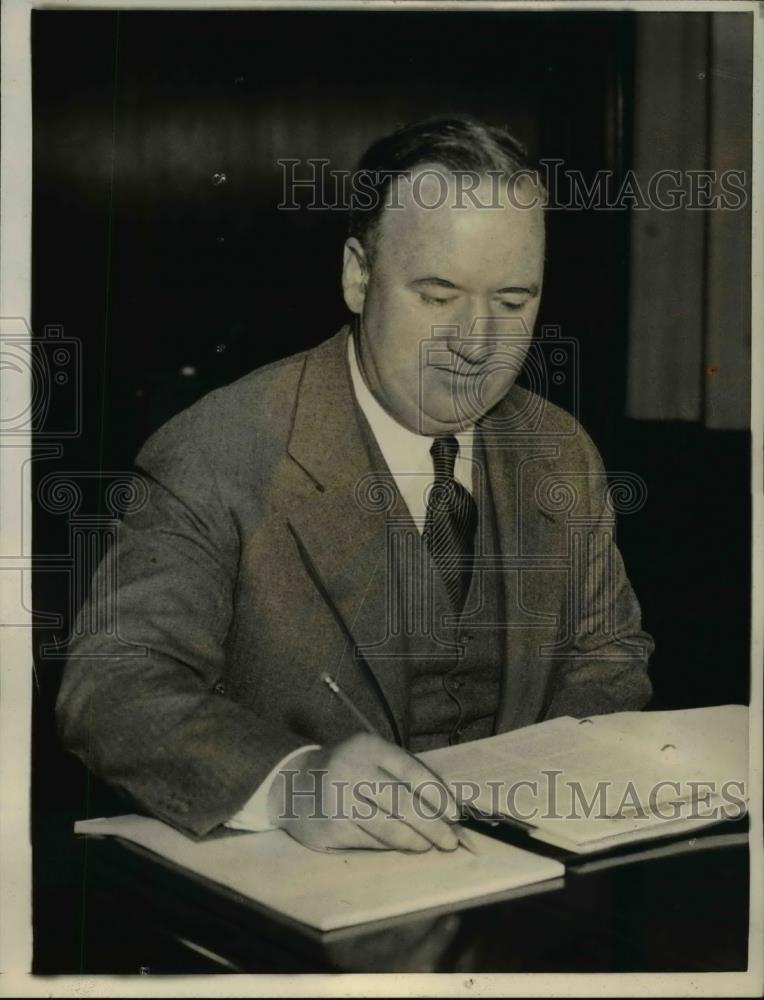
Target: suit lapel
[(341, 527)]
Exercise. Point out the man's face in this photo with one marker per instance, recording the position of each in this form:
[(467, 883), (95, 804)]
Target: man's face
[(448, 304)]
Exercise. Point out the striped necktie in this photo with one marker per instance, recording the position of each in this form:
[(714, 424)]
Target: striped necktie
[(450, 522)]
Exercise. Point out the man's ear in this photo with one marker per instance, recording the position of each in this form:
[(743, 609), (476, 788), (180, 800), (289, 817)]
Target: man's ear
[(355, 274)]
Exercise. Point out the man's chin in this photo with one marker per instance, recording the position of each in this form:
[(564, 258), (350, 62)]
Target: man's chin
[(445, 421), (458, 412)]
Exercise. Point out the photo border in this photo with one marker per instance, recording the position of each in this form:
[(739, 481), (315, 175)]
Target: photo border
[(15, 510)]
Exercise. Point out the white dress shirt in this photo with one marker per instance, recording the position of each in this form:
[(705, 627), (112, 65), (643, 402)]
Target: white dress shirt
[(408, 458)]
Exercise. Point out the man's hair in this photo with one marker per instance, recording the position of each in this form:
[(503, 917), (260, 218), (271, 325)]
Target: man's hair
[(453, 142)]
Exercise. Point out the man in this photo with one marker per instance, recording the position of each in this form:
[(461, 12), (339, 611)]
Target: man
[(381, 509)]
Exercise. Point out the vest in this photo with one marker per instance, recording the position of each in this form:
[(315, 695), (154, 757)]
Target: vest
[(451, 665)]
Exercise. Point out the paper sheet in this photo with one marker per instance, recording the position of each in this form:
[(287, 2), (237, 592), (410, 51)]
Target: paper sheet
[(328, 891)]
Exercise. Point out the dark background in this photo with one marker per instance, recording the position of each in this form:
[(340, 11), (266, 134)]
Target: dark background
[(156, 267)]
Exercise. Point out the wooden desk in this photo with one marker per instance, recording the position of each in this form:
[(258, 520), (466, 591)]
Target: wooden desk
[(684, 909)]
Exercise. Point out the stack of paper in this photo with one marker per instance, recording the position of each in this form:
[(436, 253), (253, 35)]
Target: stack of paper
[(591, 784)]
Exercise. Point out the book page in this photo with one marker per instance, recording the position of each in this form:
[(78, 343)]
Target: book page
[(712, 740)]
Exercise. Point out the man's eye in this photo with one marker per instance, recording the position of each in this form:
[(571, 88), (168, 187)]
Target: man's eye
[(512, 306), (432, 300)]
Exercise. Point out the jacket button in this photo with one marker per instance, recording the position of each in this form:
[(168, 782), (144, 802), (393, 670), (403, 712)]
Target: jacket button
[(220, 688)]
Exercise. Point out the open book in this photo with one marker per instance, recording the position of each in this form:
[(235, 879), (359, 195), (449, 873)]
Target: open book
[(591, 784)]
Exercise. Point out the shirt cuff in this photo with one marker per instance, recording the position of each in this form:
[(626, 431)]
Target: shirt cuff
[(253, 815)]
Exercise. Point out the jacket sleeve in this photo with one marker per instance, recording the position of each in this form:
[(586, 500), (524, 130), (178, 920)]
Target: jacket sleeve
[(606, 669), (141, 701)]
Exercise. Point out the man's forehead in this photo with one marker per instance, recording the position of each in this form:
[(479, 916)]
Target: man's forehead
[(430, 214)]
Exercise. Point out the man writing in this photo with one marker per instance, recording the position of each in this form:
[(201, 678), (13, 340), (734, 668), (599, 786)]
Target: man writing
[(373, 509)]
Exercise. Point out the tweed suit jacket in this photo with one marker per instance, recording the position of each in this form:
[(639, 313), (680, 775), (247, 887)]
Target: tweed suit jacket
[(258, 563)]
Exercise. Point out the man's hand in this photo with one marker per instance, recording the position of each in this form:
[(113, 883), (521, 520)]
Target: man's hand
[(364, 793)]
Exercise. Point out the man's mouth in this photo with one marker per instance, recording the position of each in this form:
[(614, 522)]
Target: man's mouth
[(463, 369)]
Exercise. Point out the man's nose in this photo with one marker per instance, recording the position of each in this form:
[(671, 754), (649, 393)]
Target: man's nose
[(470, 337)]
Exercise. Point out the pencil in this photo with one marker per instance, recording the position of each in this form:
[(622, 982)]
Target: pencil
[(353, 709), (331, 683)]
